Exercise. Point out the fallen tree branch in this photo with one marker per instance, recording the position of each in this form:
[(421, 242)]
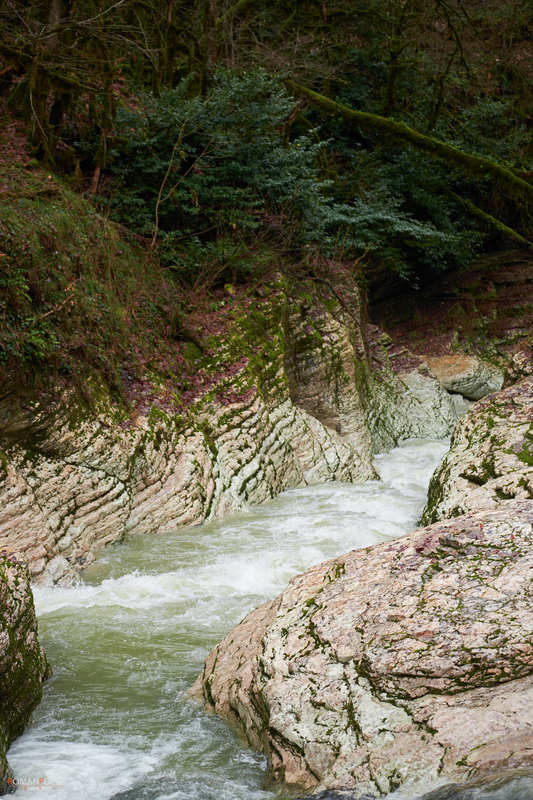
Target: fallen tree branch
[(495, 223), (479, 165)]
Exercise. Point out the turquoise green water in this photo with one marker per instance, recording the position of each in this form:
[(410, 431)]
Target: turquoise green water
[(128, 641)]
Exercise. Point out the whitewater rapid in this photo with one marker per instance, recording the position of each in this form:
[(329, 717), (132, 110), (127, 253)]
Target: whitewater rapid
[(128, 641)]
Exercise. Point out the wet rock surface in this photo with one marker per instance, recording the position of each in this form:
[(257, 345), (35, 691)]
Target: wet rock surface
[(491, 456), (23, 666), (73, 481), (468, 376), (509, 785), (90, 482), (405, 661)]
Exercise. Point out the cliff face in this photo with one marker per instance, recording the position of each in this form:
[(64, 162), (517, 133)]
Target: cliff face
[(313, 407), (23, 666), (87, 484), (349, 382)]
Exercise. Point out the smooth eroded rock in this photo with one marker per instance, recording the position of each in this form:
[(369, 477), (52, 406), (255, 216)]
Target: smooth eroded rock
[(508, 785), (406, 661), (468, 376), (514, 784)]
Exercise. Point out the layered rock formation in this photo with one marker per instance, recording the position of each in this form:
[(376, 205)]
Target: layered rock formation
[(470, 377), (314, 410), (346, 379), (408, 660), (491, 456), (85, 484), (23, 666)]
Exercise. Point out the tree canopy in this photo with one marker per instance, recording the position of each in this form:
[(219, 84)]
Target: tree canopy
[(329, 142)]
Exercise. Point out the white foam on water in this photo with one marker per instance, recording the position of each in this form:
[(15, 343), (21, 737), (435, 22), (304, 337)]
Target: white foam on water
[(126, 645), (62, 770), (258, 551)]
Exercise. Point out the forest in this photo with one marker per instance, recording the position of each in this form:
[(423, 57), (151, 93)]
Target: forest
[(157, 153), (266, 399)]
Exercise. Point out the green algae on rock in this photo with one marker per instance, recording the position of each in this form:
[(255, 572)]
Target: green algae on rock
[(491, 456), (23, 665), (303, 405)]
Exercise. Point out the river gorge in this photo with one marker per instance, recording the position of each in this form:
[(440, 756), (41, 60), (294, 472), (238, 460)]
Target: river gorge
[(127, 642), (266, 400), (360, 657)]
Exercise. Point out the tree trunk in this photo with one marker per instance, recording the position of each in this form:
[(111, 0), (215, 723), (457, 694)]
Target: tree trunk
[(518, 188)]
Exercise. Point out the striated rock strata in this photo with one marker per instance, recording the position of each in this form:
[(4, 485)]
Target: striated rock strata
[(404, 661), (87, 482), (470, 377), (346, 379), (23, 665), (491, 456), (311, 407)]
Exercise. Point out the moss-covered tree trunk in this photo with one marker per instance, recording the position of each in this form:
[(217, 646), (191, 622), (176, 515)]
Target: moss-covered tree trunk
[(517, 188)]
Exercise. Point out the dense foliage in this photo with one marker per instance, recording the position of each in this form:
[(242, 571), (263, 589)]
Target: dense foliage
[(214, 170), (224, 170), (216, 178), (76, 297)]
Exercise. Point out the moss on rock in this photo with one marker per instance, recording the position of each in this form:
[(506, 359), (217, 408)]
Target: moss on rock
[(23, 665)]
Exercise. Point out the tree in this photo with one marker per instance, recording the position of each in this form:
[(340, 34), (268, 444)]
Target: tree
[(517, 187)]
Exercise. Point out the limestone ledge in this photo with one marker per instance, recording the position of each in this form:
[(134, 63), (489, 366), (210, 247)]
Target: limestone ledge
[(72, 481), (90, 482), (23, 666), (408, 661), (468, 376), (490, 458)]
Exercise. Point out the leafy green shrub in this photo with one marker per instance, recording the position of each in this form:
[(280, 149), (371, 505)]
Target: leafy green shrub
[(211, 177), (196, 169)]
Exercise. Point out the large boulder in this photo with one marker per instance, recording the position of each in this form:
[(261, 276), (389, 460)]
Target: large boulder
[(23, 666), (468, 376), (491, 456), (405, 661)]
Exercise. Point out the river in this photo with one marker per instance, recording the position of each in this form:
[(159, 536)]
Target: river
[(128, 641)]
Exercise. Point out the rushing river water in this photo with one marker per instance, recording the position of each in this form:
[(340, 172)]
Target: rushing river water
[(127, 642)]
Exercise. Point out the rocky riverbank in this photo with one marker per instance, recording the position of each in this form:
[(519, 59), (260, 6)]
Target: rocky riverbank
[(409, 661), (406, 661), (312, 406), (340, 691), (491, 456), (311, 403), (23, 666)]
